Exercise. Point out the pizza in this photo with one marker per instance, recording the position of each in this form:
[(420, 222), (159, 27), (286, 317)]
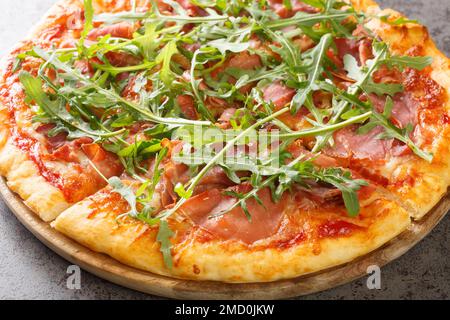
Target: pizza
[(233, 141)]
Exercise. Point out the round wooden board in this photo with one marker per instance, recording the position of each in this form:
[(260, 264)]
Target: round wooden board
[(112, 270)]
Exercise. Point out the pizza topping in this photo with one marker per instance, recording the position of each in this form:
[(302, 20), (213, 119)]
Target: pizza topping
[(286, 9), (335, 229), (404, 110), (118, 30), (278, 94), (141, 84), (265, 215), (350, 144)]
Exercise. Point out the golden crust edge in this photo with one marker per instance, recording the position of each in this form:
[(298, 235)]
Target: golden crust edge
[(23, 178), (134, 244)]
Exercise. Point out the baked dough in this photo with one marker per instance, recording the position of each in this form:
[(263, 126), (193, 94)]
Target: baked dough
[(94, 221)]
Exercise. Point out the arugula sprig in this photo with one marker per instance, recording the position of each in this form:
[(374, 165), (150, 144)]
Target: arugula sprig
[(298, 173), (56, 109), (364, 83), (110, 95), (377, 119)]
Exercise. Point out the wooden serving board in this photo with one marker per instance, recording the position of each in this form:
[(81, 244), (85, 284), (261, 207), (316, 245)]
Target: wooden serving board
[(112, 270)]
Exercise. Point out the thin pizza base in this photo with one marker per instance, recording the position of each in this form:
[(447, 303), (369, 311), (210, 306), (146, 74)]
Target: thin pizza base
[(135, 244), (23, 178), (93, 223), (21, 173), (431, 179), (233, 262)]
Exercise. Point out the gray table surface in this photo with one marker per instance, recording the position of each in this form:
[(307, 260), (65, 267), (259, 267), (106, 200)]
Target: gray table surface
[(29, 270)]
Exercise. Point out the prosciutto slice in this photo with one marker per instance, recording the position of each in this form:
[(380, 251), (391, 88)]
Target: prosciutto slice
[(265, 219), (118, 30), (404, 111), (349, 144), (278, 94), (296, 6)]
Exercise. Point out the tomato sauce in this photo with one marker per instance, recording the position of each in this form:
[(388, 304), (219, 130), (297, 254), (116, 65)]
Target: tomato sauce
[(31, 147), (336, 229), (291, 242)]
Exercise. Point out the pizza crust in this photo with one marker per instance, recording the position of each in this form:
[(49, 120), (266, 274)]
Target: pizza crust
[(94, 224), (23, 177), (432, 180)]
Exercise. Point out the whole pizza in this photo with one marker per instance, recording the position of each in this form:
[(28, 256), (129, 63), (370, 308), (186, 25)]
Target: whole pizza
[(235, 141)]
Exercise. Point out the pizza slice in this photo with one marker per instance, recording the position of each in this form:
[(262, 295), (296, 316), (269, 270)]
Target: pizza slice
[(295, 236), (404, 146), (46, 165), (417, 176)]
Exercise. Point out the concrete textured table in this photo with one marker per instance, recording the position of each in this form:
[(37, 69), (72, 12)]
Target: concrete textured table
[(28, 270)]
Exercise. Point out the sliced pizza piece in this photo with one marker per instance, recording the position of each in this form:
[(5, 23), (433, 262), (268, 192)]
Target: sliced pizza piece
[(20, 160), (295, 236), (24, 178), (408, 154), (46, 168), (422, 108)]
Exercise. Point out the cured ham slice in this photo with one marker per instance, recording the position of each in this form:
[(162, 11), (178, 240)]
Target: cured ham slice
[(278, 94), (349, 144), (106, 162), (122, 59), (265, 219), (242, 60), (404, 111), (245, 60), (360, 49), (296, 6), (118, 30), (320, 160), (187, 106)]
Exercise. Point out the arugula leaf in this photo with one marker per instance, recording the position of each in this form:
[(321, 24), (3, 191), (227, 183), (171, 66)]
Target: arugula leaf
[(381, 89), (308, 20), (88, 24), (182, 192), (398, 21), (150, 185), (163, 237), (315, 3), (56, 110), (314, 71), (165, 58), (224, 45), (401, 62), (148, 42), (343, 181), (112, 95), (357, 73)]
